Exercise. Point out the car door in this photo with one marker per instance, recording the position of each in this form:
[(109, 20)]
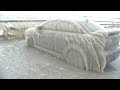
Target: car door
[(60, 42), (45, 39)]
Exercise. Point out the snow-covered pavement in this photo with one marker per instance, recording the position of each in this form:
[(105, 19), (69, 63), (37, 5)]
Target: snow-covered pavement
[(17, 61)]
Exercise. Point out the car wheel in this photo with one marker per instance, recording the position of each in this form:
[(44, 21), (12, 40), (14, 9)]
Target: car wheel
[(75, 58), (30, 42)]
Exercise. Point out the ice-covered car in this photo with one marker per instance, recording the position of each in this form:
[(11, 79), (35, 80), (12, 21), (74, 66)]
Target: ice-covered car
[(83, 44), (112, 48)]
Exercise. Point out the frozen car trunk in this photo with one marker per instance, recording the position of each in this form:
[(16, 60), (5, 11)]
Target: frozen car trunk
[(112, 47)]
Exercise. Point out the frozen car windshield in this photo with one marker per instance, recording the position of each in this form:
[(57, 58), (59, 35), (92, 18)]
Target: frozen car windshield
[(91, 26)]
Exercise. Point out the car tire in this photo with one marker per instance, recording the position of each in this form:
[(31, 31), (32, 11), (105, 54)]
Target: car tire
[(30, 42)]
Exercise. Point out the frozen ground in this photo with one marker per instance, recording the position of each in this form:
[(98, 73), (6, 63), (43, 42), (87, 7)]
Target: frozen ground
[(17, 61)]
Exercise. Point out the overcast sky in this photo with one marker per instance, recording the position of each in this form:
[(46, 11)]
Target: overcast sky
[(107, 14)]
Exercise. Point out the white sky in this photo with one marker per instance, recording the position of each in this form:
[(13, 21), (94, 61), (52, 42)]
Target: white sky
[(81, 13), (107, 14)]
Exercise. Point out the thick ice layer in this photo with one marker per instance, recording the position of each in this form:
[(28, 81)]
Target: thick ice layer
[(84, 50), (16, 29), (79, 47)]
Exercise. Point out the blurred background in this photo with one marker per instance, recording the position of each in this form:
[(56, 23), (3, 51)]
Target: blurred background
[(53, 14), (14, 23)]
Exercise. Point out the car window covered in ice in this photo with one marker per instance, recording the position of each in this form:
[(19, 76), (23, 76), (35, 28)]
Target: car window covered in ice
[(91, 26), (64, 25)]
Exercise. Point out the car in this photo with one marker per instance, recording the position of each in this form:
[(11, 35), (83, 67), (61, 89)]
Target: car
[(16, 29), (82, 43), (112, 48)]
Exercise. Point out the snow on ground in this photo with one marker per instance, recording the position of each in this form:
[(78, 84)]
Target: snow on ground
[(17, 61)]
